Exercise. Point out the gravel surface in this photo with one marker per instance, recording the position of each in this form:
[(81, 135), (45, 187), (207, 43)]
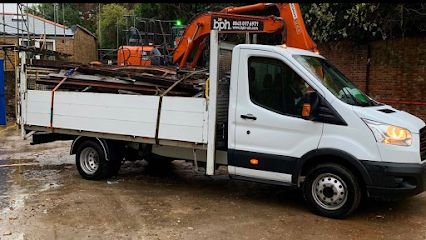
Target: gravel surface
[(49, 200)]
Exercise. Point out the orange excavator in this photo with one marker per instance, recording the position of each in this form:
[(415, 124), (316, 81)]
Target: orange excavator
[(228, 21), (196, 33)]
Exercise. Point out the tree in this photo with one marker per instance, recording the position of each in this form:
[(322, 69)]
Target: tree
[(173, 11), (361, 22), (83, 14), (364, 22), (112, 20)]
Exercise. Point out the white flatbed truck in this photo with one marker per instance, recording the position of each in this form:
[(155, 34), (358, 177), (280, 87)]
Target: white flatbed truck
[(285, 116)]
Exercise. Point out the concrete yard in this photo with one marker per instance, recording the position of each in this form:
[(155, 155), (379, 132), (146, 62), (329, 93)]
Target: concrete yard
[(43, 197)]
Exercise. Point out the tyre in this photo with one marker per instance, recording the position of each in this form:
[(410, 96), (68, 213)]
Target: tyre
[(331, 190), (116, 157), (92, 164)]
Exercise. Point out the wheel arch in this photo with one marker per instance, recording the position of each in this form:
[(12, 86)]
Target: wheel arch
[(80, 139), (330, 155)]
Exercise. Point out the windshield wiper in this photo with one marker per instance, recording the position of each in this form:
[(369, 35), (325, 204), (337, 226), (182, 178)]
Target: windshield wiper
[(354, 99)]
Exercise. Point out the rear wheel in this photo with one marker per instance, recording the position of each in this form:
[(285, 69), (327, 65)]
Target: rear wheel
[(331, 190), (91, 161)]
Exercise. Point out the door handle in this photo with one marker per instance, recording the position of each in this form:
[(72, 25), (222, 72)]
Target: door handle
[(248, 116)]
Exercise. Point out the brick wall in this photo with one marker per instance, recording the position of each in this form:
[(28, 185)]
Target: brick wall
[(397, 71), (65, 45), (85, 47), (82, 47), (9, 60), (9, 90)]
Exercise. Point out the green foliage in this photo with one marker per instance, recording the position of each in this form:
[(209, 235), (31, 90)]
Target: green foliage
[(363, 22), (72, 13), (112, 19), (360, 22), (173, 11)]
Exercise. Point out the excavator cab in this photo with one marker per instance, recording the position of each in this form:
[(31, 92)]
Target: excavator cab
[(177, 33)]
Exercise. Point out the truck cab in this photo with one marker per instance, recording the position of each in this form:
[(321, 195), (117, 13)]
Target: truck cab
[(295, 119)]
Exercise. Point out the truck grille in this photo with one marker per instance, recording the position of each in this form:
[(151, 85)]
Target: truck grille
[(423, 143)]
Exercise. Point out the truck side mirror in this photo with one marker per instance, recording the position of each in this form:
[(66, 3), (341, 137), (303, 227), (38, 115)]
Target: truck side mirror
[(311, 102)]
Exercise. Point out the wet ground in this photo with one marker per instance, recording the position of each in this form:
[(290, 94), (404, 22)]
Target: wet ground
[(43, 197)]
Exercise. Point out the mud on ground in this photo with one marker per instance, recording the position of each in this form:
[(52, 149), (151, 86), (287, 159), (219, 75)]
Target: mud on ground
[(43, 197)]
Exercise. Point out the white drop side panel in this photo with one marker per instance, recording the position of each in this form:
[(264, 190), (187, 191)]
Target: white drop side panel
[(38, 108), (184, 119), (132, 115)]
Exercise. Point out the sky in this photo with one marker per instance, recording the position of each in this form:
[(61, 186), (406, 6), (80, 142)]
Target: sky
[(11, 7)]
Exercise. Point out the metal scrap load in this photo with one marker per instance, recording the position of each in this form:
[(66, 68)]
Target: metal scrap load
[(150, 80)]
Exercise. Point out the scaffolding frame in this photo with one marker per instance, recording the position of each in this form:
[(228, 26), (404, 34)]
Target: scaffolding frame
[(23, 32), (150, 31), (153, 30)]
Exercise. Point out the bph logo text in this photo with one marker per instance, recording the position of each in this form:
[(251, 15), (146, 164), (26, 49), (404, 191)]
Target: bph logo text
[(219, 24)]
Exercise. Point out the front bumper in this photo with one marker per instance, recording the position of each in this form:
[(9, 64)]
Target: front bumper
[(393, 181)]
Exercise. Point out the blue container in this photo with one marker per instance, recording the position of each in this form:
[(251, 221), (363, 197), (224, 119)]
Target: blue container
[(2, 98)]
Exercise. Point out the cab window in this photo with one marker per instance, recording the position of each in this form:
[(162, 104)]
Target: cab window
[(275, 86)]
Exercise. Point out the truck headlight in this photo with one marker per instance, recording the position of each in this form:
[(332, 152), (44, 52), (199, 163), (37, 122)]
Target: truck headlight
[(389, 134)]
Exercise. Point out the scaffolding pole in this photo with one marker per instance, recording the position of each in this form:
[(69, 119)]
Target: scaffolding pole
[(99, 26), (4, 27)]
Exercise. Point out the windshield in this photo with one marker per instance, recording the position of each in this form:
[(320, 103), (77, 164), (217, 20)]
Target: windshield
[(335, 81)]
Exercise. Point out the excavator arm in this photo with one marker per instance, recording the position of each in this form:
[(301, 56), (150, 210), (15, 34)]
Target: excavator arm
[(199, 28), (196, 32), (297, 35)]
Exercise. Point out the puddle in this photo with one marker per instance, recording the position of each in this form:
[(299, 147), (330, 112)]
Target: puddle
[(16, 203), (49, 186), (16, 161), (18, 183), (111, 182), (38, 173), (4, 179)]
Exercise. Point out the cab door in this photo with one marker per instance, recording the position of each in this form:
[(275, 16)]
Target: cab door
[(269, 134)]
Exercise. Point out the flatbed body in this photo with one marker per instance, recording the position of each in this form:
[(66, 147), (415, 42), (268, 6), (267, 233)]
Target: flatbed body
[(182, 119)]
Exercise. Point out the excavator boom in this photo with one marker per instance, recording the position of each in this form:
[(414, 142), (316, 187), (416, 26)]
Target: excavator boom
[(196, 32), (201, 26), (297, 35)]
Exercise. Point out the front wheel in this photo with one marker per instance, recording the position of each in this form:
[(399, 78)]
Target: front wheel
[(332, 191)]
